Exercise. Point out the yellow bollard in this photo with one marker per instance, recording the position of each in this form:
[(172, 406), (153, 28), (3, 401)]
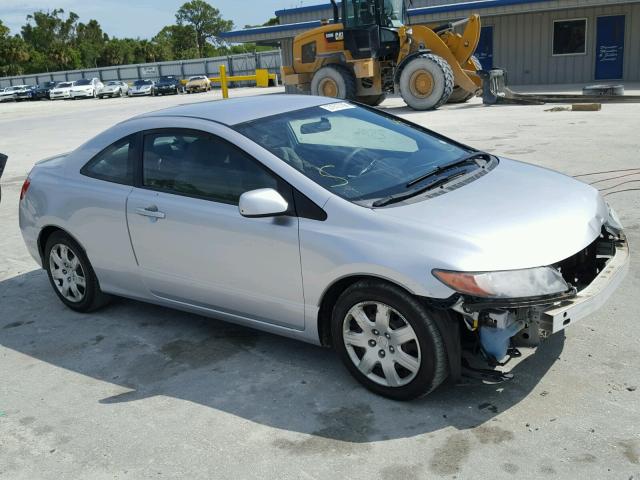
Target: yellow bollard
[(223, 81), (262, 77)]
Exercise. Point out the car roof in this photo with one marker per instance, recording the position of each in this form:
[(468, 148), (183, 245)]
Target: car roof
[(243, 109)]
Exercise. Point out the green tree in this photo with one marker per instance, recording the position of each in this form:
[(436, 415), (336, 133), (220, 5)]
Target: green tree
[(52, 35), (14, 53), (117, 51), (268, 23), (179, 40), (90, 41), (206, 21)]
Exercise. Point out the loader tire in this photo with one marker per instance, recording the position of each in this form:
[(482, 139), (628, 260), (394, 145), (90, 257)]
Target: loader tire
[(372, 100), (334, 81), (426, 82), (462, 96)]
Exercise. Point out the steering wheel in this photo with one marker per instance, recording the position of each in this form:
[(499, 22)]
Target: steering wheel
[(353, 154)]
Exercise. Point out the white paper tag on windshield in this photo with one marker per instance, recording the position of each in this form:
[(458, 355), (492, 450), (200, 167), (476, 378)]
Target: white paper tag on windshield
[(336, 107)]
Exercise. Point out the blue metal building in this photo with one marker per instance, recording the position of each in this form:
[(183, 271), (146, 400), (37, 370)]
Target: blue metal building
[(536, 41)]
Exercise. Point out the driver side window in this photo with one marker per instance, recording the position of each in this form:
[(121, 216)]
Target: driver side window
[(200, 165)]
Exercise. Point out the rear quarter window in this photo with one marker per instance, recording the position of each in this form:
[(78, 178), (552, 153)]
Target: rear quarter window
[(114, 163)]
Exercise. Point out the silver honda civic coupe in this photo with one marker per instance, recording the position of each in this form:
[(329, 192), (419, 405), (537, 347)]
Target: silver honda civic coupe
[(417, 258)]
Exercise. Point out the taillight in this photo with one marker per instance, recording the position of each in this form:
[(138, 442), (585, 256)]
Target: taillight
[(25, 187)]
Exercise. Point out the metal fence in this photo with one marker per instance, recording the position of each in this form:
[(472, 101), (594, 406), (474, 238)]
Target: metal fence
[(242, 64)]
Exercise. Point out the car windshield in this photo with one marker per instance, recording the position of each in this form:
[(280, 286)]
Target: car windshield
[(196, 78), (167, 79), (113, 83), (83, 82), (63, 85), (354, 152), (139, 83)]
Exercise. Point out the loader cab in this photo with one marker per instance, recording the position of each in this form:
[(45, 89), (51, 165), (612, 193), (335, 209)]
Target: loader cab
[(371, 27)]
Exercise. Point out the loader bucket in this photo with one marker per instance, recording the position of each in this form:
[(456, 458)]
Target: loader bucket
[(496, 91)]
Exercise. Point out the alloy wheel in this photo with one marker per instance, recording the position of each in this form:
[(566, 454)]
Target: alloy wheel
[(67, 273), (381, 344)]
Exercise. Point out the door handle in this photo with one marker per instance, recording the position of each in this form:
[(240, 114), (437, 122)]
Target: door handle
[(151, 211)]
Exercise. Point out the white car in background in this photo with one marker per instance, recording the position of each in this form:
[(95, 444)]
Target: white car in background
[(86, 88), (11, 93), (61, 90), (113, 88), (140, 88)]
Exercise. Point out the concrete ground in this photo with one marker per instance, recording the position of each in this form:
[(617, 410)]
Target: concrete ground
[(137, 391)]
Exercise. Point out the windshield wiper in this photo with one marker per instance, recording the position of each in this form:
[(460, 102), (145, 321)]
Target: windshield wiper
[(399, 197), (452, 164)]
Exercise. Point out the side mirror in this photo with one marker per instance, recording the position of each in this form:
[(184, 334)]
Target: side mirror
[(264, 202)]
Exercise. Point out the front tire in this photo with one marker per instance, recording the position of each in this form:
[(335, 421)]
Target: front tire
[(388, 340), (334, 81), (426, 82), (71, 274)]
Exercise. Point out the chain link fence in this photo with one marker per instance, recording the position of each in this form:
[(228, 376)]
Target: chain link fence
[(242, 64)]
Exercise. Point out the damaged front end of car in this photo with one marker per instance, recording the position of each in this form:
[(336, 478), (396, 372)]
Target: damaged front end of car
[(507, 310)]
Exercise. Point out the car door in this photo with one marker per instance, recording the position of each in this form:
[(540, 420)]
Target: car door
[(191, 243)]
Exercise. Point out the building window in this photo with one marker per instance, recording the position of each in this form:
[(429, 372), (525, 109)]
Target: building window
[(309, 52), (570, 37)]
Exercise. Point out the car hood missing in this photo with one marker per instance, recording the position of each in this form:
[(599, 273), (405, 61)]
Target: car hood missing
[(516, 216)]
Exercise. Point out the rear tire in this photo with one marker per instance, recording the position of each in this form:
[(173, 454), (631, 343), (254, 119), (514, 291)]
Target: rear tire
[(334, 81), (372, 100), (426, 82), (403, 363), (71, 274)]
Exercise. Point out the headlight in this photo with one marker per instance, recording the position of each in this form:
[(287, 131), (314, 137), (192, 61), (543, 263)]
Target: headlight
[(531, 282)]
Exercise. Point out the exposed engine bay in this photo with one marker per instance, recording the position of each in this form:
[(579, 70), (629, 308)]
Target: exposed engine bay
[(496, 329)]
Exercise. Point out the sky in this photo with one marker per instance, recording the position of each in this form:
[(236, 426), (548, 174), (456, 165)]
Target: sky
[(142, 18)]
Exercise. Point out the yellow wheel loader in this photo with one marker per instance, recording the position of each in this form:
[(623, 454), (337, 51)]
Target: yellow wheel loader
[(370, 50)]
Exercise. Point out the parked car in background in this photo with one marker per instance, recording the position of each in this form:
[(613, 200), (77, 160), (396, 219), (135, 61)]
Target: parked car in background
[(330, 222), (141, 88), (199, 83), (167, 85), (25, 93), (42, 90), (61, 91), (86, 88), (11, 93), (113, 88)]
